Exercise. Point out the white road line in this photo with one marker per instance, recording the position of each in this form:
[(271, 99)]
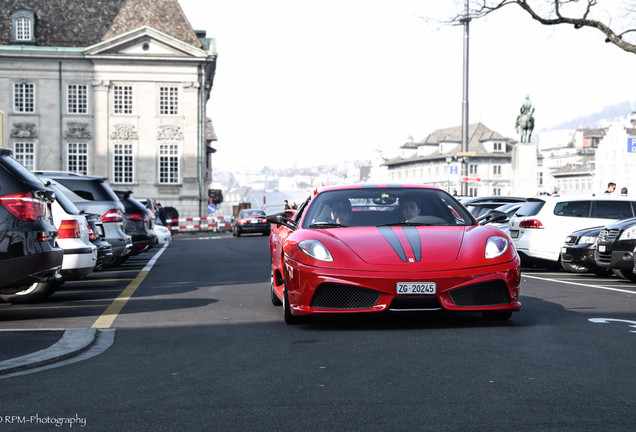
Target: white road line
[(580, 284)]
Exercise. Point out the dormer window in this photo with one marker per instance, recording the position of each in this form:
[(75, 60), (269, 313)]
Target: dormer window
[(22, 21)]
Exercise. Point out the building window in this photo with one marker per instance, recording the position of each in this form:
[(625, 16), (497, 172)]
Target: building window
[(539, 178), (496, 170), (77, 158), (22, 21), (24, 152), (169, 163), (77, 99), (23, 97), (168, 100), (123, 100), (472, 169), (123, 163), (472, 191), (498, 146)]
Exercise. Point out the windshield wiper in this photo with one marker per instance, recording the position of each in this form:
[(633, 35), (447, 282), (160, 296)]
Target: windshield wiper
[(328, 225), (404, 224)]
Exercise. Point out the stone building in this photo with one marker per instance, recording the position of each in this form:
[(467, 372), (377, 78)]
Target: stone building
[(434, 160), (114, 88)]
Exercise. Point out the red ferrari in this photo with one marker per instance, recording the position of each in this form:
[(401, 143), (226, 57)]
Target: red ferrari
[(373, 248)]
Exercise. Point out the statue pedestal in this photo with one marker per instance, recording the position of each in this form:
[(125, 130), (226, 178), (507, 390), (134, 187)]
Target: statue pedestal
[(524, 170)]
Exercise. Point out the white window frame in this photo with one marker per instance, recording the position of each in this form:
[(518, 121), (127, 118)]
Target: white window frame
[(24, 152), (77, 157), (169, 163), (77, 99), (169, 100), (22, 25), (496, 170), (123, 99), (123, 163), (23, 97)]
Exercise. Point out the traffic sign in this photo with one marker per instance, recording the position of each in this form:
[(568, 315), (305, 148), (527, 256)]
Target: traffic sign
[(211, 209), (631, 145), (471, 179)]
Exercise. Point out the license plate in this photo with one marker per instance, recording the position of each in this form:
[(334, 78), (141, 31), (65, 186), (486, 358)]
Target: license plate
[(514, 234), (602, 248), (416, 288), (563, 250)]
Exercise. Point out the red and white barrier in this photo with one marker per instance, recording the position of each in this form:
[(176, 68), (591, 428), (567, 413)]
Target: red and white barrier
[(211, 223)]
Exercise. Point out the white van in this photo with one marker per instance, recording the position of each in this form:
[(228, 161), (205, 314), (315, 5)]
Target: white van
[(540, 226)]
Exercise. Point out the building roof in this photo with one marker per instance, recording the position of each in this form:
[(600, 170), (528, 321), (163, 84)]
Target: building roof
[(82, 23), (478, 133)]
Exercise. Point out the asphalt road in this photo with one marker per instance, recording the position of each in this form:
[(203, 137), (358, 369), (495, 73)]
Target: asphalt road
[(199, 347)]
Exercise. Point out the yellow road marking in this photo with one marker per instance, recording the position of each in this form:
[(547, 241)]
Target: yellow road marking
[(108, 317), (83, 281)]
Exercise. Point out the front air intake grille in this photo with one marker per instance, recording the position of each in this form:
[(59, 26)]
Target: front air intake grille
[(489, 293), (339, 296)]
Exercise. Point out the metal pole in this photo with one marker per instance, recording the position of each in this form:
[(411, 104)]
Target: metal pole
[(464, 185)]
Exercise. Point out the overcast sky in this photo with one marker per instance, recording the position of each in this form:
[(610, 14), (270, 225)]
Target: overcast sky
[(304, 82)]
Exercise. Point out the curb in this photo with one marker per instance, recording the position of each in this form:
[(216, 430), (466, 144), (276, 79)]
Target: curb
[(72, 342)]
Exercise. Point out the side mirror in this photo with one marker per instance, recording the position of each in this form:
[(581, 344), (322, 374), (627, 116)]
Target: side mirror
[(282, 219), (493, 216)]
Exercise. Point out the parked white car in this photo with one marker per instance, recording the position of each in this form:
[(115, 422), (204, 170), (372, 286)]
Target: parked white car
[(80, 255), (163, 234), (541, 224)]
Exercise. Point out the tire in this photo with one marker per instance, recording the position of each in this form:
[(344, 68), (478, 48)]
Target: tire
[(275, 300), (32, 294), (496, 315), (574, 268), (289, 318), (625, 273)]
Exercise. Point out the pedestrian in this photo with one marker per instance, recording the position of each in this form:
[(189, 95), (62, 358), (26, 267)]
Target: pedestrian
[(623, 190), (294, 206), (454, 192), (287, 206), (611, 187), (161, 212)]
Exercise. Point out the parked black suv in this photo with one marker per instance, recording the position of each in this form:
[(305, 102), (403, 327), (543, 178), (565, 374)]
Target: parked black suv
[(139, 223), (30, 260), (615, 247), (92, 194), (577, 253)]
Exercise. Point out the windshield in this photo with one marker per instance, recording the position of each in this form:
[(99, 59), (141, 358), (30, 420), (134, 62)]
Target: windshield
[(370, 206)]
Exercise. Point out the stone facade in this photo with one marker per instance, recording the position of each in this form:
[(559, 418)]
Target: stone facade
[(122, 96)]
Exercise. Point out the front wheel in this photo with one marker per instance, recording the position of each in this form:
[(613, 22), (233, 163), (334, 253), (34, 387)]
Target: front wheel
[(32, 294), (574, 268), (275, 300), (625, 273), (289, 318)]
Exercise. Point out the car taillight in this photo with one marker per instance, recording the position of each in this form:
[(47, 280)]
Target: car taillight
[(264, 220), (91, 234), (242, 221), (113, 215), (68, 229), (138, 216), (531, 223), (23, 206)]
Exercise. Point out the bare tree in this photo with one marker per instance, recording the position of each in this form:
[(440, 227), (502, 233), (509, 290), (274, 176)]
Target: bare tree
[(616, 19)]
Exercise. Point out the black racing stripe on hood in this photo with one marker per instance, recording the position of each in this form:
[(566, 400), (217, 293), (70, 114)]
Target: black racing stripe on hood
[(389, 235), (414, 240)]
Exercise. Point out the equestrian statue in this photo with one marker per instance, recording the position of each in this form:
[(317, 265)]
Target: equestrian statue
[(525, 120)]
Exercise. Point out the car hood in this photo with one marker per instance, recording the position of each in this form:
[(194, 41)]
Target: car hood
[(400, 244)]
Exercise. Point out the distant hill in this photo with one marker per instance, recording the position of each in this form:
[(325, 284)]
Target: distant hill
[(608, 113)]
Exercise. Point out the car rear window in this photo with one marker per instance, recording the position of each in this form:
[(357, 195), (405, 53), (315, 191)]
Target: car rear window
[(573, 208), (530, 208), (90, 190), (614, 209)]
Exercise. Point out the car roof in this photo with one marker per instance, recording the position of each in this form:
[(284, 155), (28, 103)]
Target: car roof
[(374, 186), (67, 174)]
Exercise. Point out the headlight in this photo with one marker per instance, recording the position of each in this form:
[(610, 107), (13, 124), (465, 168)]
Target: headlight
[(628, 234), (587, 240), (496, 246), (315, 249)]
